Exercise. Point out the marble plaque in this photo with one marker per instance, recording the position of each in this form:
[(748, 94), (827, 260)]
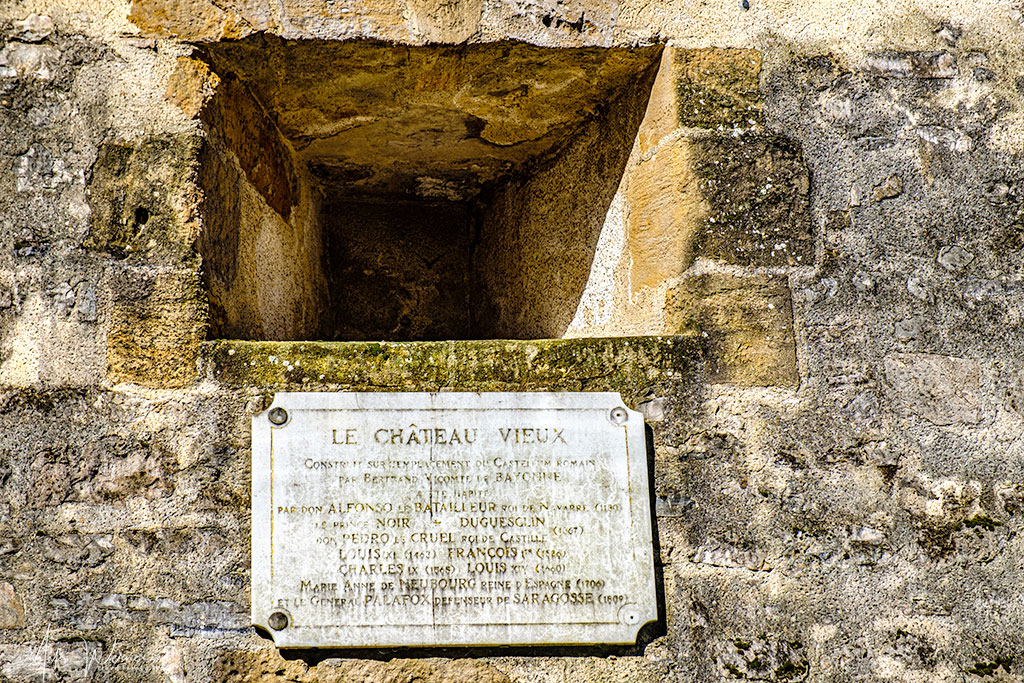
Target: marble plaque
[(450, 519)]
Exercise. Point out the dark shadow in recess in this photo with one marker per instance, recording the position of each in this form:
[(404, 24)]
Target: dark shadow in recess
[(312, 657), (659, 628), (396, 270)]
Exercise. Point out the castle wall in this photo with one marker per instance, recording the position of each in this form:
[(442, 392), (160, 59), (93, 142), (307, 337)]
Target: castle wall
[(807, 256)]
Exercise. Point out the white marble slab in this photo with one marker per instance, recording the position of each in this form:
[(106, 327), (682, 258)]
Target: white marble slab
[(449, 519)]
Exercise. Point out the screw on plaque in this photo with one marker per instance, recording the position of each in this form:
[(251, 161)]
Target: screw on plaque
[(278, 621), (619, 415), (278, 416), (628, 614)]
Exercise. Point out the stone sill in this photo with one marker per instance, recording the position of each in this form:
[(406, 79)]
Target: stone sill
[(628, 365)]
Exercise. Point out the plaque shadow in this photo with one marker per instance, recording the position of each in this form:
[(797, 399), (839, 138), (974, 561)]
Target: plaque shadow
[(645, 636)]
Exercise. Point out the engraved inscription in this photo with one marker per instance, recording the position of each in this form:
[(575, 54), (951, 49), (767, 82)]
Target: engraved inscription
[(451, 519)]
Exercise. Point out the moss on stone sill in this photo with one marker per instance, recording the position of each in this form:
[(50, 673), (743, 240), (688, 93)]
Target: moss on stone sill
[(624, 364)]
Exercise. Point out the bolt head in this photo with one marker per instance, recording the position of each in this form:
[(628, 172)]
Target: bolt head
[(278, 416), (278, 621)]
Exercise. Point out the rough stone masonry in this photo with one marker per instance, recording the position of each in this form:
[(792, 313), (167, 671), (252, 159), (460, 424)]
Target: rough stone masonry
[(791, 233)]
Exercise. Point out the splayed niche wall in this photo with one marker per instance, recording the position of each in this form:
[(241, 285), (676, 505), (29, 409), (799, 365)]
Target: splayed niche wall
[(357, 190)]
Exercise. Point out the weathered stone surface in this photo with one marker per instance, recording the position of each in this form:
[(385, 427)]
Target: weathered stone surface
[(912, 64), (203, 20), (191, 86), (447, 22), (613, 364), (267, 666), (588, 23), (142, 198), (12, 612), (113, 468), (888, 518), (940, 389), (756, 188), (156, 326), (50, 661), (390, 116), (747, 321), (716, 87), (666, 211), (196, 20)]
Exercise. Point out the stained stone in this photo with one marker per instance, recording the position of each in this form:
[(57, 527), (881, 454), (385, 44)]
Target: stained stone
[(420, 519)]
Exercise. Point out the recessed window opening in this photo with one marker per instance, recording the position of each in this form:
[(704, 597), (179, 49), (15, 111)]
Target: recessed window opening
[(362, 191)]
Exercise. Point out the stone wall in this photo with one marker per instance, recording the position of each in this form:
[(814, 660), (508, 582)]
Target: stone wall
[(809, 220)]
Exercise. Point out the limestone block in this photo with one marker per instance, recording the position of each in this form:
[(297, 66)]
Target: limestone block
[(748, 323), (195, 19), (666, 210), (716, 87), (12, 612), (940, 389), (740, 200), (205, 20), (142, 197), (445, 22), (266, 666), (704, 88), (553, 22), (757, 188), (191, 86), (661, 116), (156, 326)]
